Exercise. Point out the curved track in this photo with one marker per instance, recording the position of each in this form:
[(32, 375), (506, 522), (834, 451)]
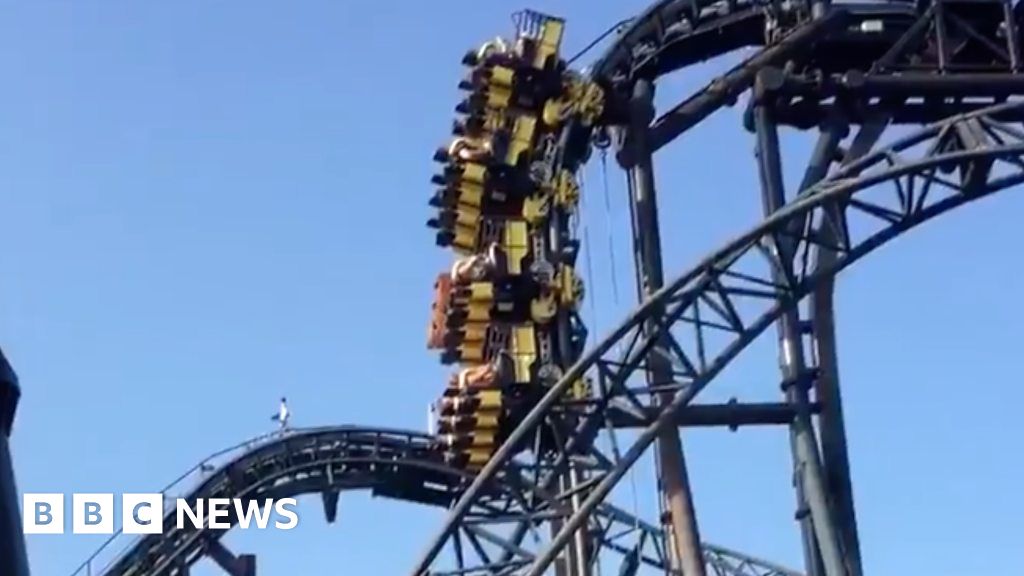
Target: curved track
[(705, 317), (324, 461)]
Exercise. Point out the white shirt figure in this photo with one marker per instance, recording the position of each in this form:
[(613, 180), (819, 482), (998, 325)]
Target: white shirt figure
[(282, 415), (431, 412)]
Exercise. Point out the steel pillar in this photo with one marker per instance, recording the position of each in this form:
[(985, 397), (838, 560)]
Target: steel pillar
[(835, 455), (822, 551), (678, 498), (13, 559), (834, 451)]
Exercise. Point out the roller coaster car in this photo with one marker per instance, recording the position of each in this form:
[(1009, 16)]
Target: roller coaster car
[(513, 257), (466, 239), (469, 401), (497, 188), (477, 331), (510, 179), (485, 124), (463, 424), (493, 113), (470, 343), (499, 180), (511, 145), (481, 376), (494, 204), (509, 300), (473, 308), (471, 460), (499, 198), (519, 87), (462, 215), (464, 228), (470, 432), (438, 311), (526, 346), (553, 94), (535, 48), (465, 271), (469, 422), (463, 208), (525, 54), (473, 439), (462, 239)]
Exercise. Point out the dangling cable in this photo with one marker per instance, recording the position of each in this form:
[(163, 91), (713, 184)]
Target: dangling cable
[(608, 224), (613, 270), (592, 304), (587, 248), (640, 285)]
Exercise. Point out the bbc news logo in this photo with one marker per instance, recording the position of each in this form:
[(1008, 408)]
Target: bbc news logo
[(144, 513)]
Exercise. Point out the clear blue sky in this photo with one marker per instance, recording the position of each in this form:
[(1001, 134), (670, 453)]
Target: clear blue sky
[(207, 205)]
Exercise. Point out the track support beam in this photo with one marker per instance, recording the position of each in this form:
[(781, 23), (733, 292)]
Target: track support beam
[(732, 415), (726, 89), (678, 498)]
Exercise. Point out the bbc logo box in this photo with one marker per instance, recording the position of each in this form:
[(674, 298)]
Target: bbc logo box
[(92, 513), (144, 513)]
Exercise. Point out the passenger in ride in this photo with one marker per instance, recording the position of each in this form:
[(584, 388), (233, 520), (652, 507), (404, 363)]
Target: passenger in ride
[(485, 375), (482, 376), (470, 149), (491, 48), (476, 267)]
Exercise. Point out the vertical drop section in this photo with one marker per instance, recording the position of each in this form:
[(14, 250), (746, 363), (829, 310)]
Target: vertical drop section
[(506, 313)]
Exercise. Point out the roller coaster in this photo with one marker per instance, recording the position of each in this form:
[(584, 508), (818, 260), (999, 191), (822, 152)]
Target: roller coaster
[(535, 429)]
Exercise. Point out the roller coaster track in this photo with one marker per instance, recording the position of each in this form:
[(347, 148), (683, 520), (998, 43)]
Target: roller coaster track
[(325, 461), (849, 71)]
